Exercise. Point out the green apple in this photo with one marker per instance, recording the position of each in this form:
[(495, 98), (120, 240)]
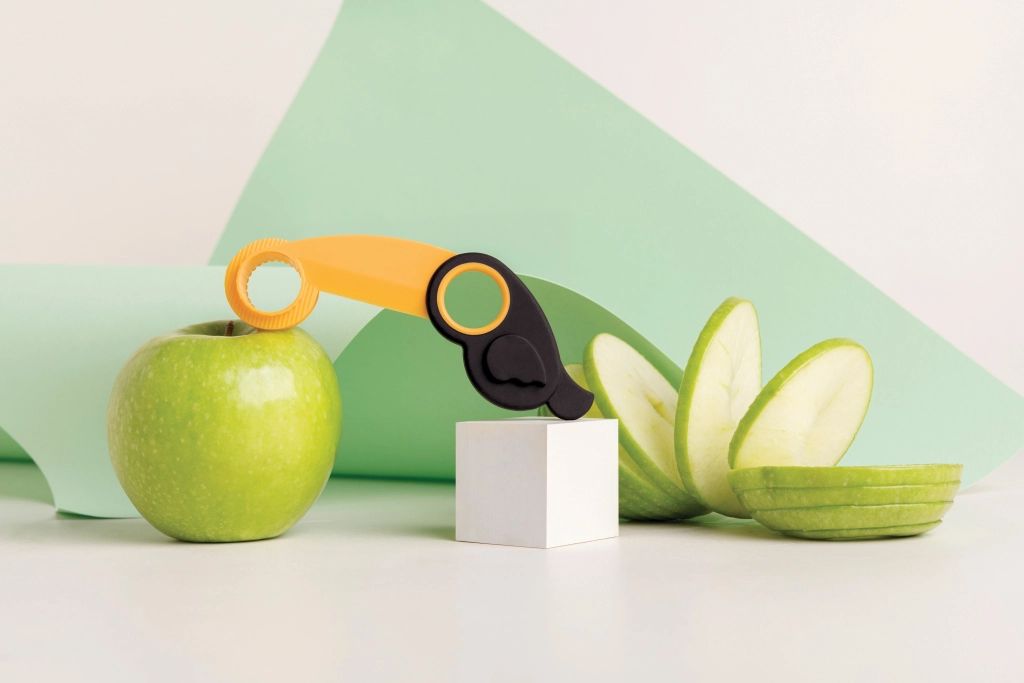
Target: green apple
[(221, 432), (828, 518), (820, 477), (865, 534), (721, 380), (638, 499), (628, 388), (810, 412), (781, 498)]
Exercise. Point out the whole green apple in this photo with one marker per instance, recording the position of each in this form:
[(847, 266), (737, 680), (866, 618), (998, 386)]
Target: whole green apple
[(222, 432)]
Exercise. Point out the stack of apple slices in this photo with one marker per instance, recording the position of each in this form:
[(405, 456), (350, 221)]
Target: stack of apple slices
[(848, 502), (723, 443)]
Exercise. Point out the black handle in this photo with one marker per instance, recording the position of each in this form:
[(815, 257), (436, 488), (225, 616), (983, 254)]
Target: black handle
[(514, 362)]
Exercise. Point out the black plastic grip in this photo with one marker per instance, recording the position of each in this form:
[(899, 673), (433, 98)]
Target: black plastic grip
[(516, 365)]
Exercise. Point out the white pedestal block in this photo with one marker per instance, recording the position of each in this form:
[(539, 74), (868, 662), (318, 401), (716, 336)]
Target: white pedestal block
[(536, 482)]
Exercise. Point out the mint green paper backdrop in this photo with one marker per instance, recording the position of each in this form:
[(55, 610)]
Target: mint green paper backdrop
[(9, 448), (441, 121)]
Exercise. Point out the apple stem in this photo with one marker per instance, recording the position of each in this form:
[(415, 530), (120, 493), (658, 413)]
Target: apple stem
[(229, 330)]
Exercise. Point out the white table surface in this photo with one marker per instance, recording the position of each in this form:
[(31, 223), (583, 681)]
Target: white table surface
[(370, 586)]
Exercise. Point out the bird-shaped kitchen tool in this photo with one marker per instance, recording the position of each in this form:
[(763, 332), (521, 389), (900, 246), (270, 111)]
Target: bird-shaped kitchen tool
[(512, 361)]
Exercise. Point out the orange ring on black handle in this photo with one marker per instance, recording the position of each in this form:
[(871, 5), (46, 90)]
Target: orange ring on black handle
[(236, 286), (473, 267), (513, 361)]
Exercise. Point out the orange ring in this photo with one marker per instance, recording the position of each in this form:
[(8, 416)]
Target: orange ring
[(458, 270), (236, 287)]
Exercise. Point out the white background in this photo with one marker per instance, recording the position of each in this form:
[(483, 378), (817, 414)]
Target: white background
[(889, 132)]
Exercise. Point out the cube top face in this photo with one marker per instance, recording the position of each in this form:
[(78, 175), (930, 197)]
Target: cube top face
[(536, 482)]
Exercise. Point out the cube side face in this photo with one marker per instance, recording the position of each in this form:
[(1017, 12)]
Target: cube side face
[(500, 482), (583, 481)]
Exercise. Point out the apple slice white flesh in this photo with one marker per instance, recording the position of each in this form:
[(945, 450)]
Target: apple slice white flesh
[(627, 387), (810, 412), (638, 498), (721, 380)]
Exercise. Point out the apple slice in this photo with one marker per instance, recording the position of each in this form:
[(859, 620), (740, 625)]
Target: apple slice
[(638, 498), (865, 534), (830, 518), (782, 498), (810, 412), (721, 380), (627, 387), (641, 495), (819, 477)]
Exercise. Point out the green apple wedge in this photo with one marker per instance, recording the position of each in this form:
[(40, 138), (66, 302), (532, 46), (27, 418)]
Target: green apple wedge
[(638, 499), (628, 388), (810, 412), (721, 380)]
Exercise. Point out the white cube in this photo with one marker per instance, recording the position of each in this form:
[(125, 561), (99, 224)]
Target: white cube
[(536, 482)]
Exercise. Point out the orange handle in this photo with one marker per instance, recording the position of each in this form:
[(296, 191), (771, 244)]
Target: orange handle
[(513, 361), (384, 271)]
